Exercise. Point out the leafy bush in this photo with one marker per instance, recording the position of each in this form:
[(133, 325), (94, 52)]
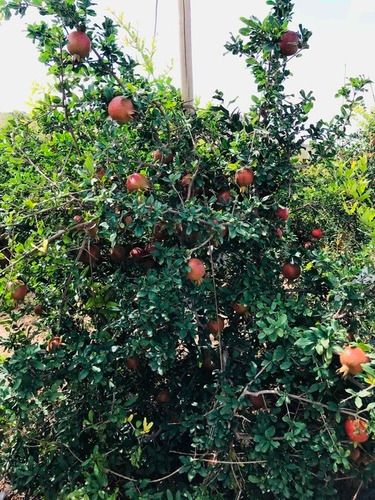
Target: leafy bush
[(135, 381)]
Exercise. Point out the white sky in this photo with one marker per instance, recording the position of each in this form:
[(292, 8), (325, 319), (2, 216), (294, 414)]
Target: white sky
[(342, 44)]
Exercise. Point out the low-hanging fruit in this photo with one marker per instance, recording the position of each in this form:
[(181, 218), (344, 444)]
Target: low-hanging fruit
[(137, 182), (244, 178), (289, 43), (356, 430), (291, 271), (121, 109), (162, 157), (282, 213), (258, 402), (163, 396), (215, 326), (197, 270), (317, 233), (224, 197), (78, 219), (38, 309), (186, 180), (351, 359), (79, 45), (132, 363), (19, 292), (279, 232)]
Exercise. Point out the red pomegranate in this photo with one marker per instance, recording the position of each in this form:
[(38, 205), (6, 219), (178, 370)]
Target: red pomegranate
[(351, 359), (356, 430), (224, 197), (317, 233), (185, 181), (137, 182), (244, 177), (258, 402), (289, 43), (282, 213), (132, 363), (19, 292), (118, 254), (279, 232), (38, 309), (215, 326), (197, 270), (79, 44), (78, 219), (136, 253), (162, 157), (291, 271), (121, 109), (163, 396)]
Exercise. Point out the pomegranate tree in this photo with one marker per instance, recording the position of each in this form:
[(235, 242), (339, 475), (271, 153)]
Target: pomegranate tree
[(191, 330)]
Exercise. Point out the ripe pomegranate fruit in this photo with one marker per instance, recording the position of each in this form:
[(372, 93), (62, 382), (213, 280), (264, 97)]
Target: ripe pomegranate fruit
[(132, 363), (185, 181), (137, 182), (317, 233), (244, 178), (282, 213), (19, 292), (356, 430), (224, 197), (162, 157), (118, 254), (258, 402), (38, 309), (240, 308), (279, 232), (54, 344), (90, 255), (291, 271), (121, 109), (163, 396), (78, 219), (197, 270), (351, 359), (79, 45), (289, 43), (215, 326), (136, 253)]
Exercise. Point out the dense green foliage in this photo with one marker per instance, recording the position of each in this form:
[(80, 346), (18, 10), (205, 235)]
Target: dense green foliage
[(140, 401)]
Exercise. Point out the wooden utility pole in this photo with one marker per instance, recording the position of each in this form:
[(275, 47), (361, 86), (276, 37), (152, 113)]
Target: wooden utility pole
[(186, 59)]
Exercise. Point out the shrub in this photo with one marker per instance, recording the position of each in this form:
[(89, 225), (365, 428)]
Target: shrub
[(119, 389)]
